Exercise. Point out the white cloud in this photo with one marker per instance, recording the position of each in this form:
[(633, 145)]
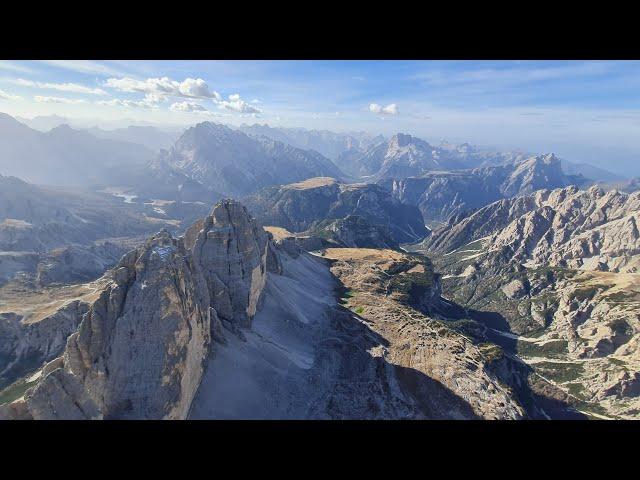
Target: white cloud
[(8, 96), (164, 87), (188, 107), (236, 104), (63, 87), (69, 101), (391, 109), (84, 66), (147, 102), (197, 88), (13, 67)]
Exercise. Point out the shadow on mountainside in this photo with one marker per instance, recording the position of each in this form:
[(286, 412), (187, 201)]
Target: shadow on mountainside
[(541, 398), (377, 379)]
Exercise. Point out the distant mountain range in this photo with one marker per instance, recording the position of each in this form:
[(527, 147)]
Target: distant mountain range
[(151, 137), (65, 156), (329, 144), (440, 195)]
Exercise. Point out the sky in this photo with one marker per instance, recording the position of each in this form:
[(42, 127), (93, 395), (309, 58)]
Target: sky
[(584, 111)]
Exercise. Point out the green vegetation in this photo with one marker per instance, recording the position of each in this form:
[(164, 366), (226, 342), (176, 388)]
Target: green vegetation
[(618, 363), (549, 349), (343, 294), (491, 352), (412, 286), (469, 328), (560, 372), (359, 310), (15, 391), (576, 389)]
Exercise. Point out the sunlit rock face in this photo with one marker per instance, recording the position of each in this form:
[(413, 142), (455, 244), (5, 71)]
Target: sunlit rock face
[(141, 349), (231, 250)]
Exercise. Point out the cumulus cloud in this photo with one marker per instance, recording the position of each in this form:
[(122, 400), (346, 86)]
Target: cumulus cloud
[(161, 89), (63, 87), (391, 109), (236, 104), (188, 107), (164, 87), (8, 96), (69, 101)]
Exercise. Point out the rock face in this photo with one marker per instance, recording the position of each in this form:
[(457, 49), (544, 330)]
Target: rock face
[(441, 195), (232, 163), (231, 250), (141, 349), (301, 206), (588, 229), (402, 156), (26, 346), (373, 357), (408, 156)]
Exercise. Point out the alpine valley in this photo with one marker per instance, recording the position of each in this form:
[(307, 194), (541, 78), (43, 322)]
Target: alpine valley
[(260, 272)]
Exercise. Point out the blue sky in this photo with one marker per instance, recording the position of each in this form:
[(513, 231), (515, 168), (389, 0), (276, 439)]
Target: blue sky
[(584, 111)]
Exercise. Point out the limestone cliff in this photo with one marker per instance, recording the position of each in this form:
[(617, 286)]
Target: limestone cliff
[(141, 348)]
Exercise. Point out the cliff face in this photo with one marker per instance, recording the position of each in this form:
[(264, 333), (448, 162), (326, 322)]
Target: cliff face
[(589, 229), (231, 250), (141, 348)]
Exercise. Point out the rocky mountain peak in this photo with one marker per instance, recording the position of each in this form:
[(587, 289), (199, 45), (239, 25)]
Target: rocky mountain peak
[(400, 140), (141, 349), (231, 250)]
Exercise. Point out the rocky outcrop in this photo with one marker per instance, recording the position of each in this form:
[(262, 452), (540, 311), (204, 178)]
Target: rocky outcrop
[(231, 250), (405, 156), (588, 229), (553, 277), (141, 348), (444, 372), (303, 206), (401, 156)]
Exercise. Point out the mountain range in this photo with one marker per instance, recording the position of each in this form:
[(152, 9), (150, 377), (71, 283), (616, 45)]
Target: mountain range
[(275, 273), (64, 156), (440, 195)]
